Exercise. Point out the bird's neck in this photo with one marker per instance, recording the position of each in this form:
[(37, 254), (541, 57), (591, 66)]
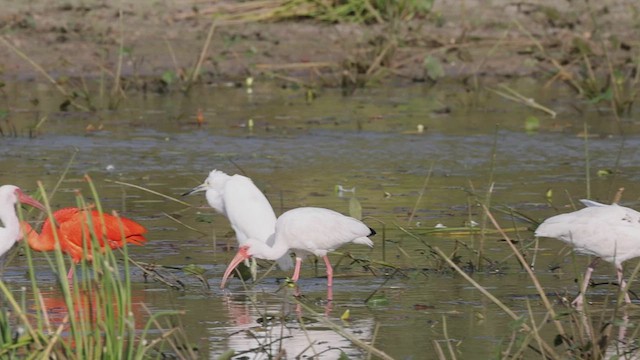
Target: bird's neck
[(10, 221), (263, 251), (40, 242)]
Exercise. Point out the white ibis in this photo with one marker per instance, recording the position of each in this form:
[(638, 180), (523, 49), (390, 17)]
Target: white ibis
[(245, 206), (12, 232), (609, 232), (306, 230)]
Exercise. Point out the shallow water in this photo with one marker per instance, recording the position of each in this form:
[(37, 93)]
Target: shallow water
[(297, 153)]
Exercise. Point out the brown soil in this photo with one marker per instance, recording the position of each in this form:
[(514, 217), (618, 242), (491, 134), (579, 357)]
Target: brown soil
[(81, 39)]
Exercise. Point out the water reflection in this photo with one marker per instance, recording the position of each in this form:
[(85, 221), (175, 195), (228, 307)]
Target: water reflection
[(262, 329), (88, 307)]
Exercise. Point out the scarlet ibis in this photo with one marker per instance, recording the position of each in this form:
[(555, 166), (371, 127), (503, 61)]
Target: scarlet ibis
[(11, 232), (609, 232), (72, 227), (245, 206), (306, 230)]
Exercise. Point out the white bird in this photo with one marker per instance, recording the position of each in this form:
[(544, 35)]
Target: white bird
[(609, 232), (12, 231), (245, 206), (306, 230)]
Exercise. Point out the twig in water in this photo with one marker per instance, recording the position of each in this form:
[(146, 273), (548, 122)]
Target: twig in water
[(424, 187), (381, 285), (183, 224), (519, 98), (150, 269), (149, 191)]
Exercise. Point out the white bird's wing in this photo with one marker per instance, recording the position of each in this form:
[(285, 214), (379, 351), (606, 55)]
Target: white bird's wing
[(611, 232), (319, 230), (250, 214), (248, 210)]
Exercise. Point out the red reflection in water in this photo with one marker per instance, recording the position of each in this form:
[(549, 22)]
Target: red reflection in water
[(87, 307)]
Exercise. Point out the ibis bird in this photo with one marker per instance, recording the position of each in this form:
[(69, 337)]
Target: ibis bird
[(11, 232), (608, 232), (73, 231), (305, 230), (245, 206)]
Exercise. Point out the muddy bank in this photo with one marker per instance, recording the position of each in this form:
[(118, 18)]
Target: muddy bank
[(504, 39)]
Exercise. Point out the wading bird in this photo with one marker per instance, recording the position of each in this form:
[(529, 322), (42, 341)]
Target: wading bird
[(306, 230), (72, 227), (609, 232), (11, 232), (245, 206)]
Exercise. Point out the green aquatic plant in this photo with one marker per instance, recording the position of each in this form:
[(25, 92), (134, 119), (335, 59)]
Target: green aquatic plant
[(100, 319)]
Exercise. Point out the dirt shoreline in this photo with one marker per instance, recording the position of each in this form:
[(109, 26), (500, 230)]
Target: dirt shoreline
[(81, 39)]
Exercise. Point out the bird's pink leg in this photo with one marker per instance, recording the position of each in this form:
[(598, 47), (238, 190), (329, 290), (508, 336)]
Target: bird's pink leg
[(577, 302), (296, 271), (329, 294), (623, 284), (329, 271)]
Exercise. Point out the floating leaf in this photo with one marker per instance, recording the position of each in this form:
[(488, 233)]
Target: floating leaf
[(345, 315), (423, 307), (532, 124), (433, 68), (378, 300), (605, 96), (290, 283), (355, 209), (343, 356), (549, 194), (604, 172), (227, 355), (127, 50), (168, 77), (193, 269)]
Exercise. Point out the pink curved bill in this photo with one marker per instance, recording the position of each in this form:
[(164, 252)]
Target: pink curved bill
[(242, 255), (26, 199)]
